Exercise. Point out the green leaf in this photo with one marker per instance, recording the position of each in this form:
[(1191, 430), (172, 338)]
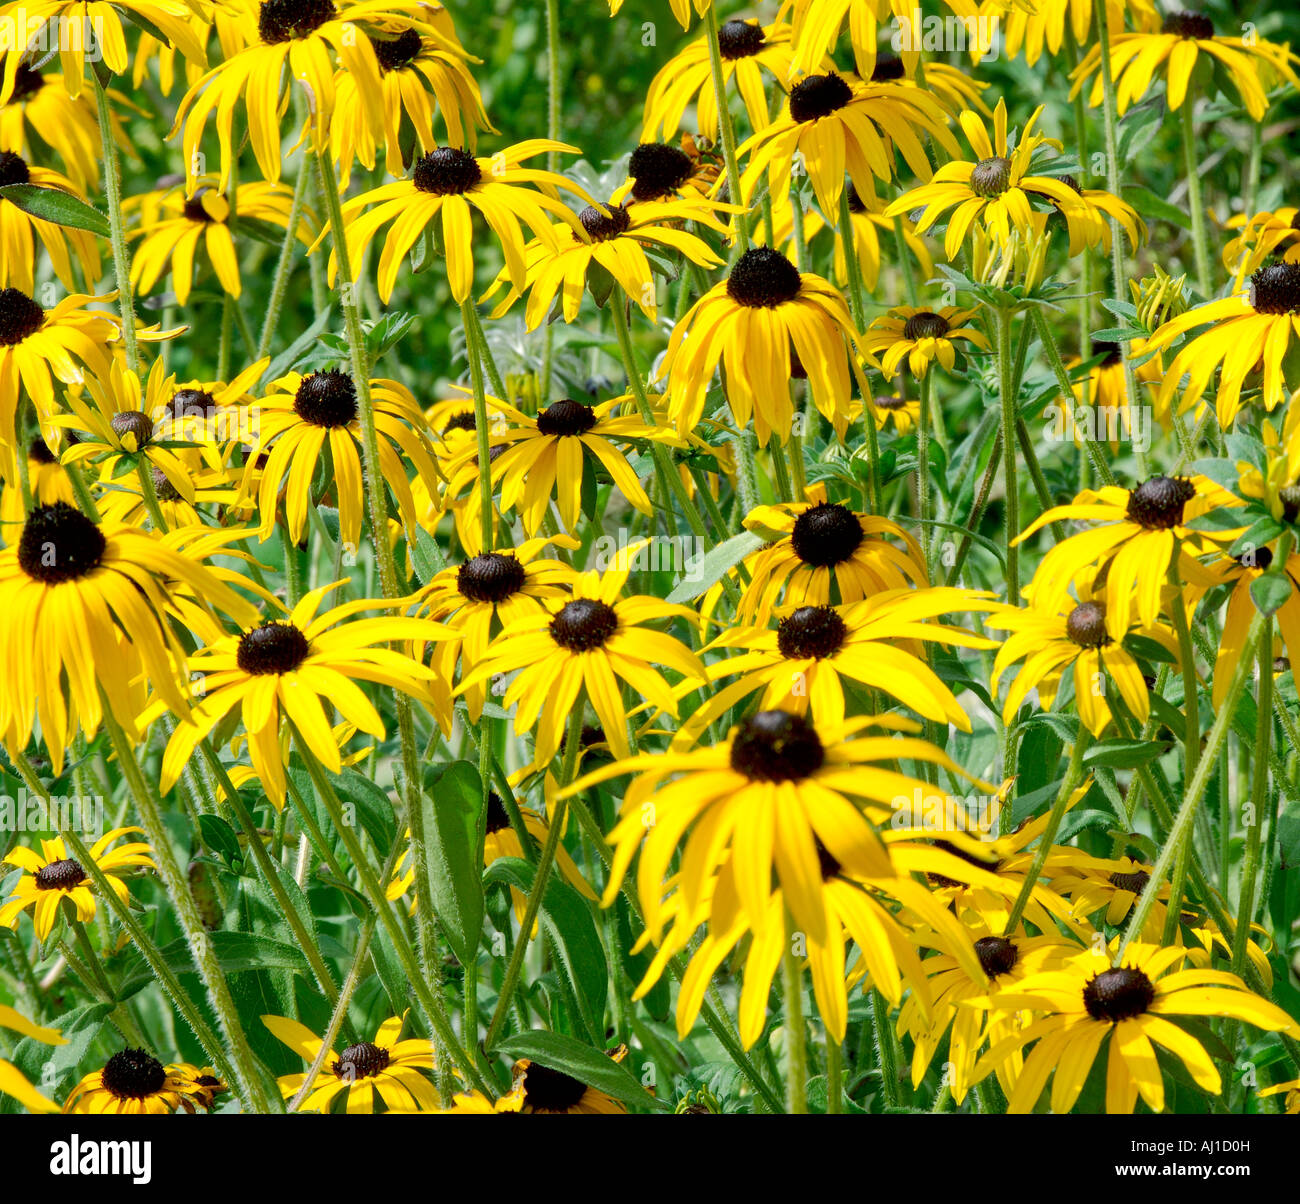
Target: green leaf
[(427, 556), (581, 1062), (450, 805), (1262, 532), (1151, 206), (1270, 592), (1124, 754), (235, 951), (715, 563), (374, 807), (220, 838), (55, 205)]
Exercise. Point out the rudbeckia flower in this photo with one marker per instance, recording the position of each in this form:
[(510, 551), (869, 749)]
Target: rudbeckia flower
[(586, 643), (749, 325), (285, 668), (304, 36), (38, 346), (46, 478), (829, 554), (39, 112), (489, 591), (753, 55), (921, 336), (12, 1080), (1042, 24), (1251, 65), (17, 246), (51, 876), (765, 796), (1273, 233), (419, 76), (387, 1067), (85, 603), (616, 241), (134, 1083), (302, 418), (1250, 331), (170, 17), (450, 184), (1090, 1001), (996, 188), (549, 455), (1144, 531), (838, 125), (539, 1090), (173, 226), (801, 666), (1051, 639)]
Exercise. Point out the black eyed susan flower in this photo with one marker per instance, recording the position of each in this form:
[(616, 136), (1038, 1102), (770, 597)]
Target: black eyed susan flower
[(212, 414), (539, 1090), (170, 17), (1251, 65), (134, 1083), (658, 171), (39, 113), (587, 643), (1075, 635), (449, 183), (764, 796), (614, 240), (303, 419), (210, 496), (12, 1080), (51, 876), (286, 668), (549, 454), (1089, 1002), (825, 554), (921, 336), (173, 227), (1110, 418), (38, 346), (903, 412), (304, 36), (86, 604), (387, 1067), (752, 325), (17, 227), (420, 77), (838, 125), (1144, 532), (801, 665), (489, 591), (1042, 24), (1274, 233), (754, 56), (1249, 332), (996, 188), (46, 479)]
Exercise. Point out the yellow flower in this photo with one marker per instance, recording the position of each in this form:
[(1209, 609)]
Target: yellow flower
[(921, 336), (134, 1083)]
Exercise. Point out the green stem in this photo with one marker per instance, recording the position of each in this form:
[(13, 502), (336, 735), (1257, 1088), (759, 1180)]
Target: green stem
[(284, 265), (116, 225), (727, 129), (1258, 799), (1195, 203), (1010, 413), (923, 466), (796, 1037), (480, 421)]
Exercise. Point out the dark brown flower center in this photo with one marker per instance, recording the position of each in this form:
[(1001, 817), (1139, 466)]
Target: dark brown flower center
[(361, 1061), (490, 577), (27, 83), (1157, 504), (997, 955), (583, 624), (193, 403), (463, 421), (395, 53), (811, 631), (272, 648), (547, 1090), (1086, 625), (990, 177), (20, 316), (132, 422), (566, 417), (740, 39), (60, 875), (59, 544), (13, 169), (1111, 352), (1256, 558), (1116, 995), (1135, 882), (1188, 25), (1276, 289), (776, 746), (888, 67), (133, 1074), (326, 399), (284, 20), (826, 534), (763, 278), (446, 171), (818, 96), (925, 325), (497, 819), (658, 170), (38, 451), (600, 228), (166, 491)]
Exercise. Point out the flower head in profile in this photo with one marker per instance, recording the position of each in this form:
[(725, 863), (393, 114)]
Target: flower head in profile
[(134, 1083)]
